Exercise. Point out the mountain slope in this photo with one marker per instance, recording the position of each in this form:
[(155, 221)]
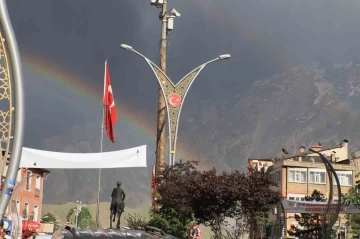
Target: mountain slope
[(303, 105)]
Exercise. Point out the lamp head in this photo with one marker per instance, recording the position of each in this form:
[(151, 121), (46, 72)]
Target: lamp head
[(126, 47), (225, 56)]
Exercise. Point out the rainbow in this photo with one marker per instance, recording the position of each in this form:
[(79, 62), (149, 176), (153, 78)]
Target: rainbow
[(72, 89)]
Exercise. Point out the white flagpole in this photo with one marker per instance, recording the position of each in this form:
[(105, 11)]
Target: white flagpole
[(99, 175), (101, 150)]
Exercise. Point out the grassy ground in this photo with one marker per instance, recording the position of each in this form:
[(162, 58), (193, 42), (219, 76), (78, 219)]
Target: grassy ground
[(60, 211)]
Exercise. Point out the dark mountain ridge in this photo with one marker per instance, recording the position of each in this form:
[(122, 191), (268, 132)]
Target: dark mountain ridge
[(301, 106)]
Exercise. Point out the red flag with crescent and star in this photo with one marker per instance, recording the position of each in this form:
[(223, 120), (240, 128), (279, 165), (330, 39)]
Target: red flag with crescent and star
[(109, 104)]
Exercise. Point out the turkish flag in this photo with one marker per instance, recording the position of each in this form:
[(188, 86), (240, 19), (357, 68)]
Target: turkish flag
[(109, 104)]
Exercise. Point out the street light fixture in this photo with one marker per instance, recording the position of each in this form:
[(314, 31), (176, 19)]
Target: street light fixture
[(126, 47), (79, 206), (174, 94), (225, 56)]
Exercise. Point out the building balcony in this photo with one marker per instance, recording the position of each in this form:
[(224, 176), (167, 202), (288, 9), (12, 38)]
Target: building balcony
[(37, 192)]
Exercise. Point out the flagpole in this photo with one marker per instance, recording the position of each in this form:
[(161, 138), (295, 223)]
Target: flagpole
[(99, 174), (101, 150)]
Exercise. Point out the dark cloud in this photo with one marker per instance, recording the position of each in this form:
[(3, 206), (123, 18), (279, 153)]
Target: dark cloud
[(263, 37)]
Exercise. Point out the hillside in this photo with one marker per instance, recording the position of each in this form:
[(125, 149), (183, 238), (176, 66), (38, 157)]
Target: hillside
[(60, 211), (305, 104)]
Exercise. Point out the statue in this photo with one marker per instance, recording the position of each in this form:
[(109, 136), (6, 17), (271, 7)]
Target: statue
[(117, 204)]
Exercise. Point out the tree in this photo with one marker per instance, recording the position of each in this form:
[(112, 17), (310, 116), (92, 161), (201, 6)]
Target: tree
[(175, 215), (215, 197), (353, 198), (208, 197), (353, 195), (257, 196), (84, 220), (50, 218), (171, 222), (353, 222), (310, 224), (135, 221)]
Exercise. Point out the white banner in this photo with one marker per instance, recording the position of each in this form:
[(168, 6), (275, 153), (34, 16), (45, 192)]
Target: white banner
[(293, 206), (127, 158)]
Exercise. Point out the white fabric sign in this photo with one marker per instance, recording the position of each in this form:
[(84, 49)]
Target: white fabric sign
[(128, 158), (293, 206)]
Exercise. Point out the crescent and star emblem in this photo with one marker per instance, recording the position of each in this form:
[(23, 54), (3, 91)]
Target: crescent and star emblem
[(111, 97), (174, 100)]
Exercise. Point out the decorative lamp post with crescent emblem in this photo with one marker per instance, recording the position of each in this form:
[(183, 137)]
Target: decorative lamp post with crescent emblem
[(174, 94)]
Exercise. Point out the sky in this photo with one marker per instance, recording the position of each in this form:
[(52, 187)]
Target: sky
[(64, 44)]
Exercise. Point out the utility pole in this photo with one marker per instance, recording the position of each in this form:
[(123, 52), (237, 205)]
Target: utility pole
[(170, 95), (160, 142)]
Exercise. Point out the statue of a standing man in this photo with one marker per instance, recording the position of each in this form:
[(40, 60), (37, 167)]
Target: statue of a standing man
[(117, 204)]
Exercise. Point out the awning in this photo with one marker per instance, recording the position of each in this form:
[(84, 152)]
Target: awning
[(128, 158), (30, 226)]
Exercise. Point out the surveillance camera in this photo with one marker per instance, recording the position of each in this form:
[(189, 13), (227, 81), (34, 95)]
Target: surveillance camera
[(175, 13)]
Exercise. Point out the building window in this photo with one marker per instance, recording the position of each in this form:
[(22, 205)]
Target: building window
[(36, 213), (317, 176), (25, 212), (28, 180), (297, 175), (18, 176), (38, 181), (345, 178)]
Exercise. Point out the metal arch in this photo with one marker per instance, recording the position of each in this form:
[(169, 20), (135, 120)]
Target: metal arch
[(331, 173), (5, 95), (331, 192), (280, 222), (276, 230), (338, 206), (16, 73)]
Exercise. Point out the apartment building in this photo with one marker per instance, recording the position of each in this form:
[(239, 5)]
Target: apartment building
[(299, 175), (26, 200)]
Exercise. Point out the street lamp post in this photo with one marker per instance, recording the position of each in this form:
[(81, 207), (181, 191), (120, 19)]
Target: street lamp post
[(280, 229), (174, 94)]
